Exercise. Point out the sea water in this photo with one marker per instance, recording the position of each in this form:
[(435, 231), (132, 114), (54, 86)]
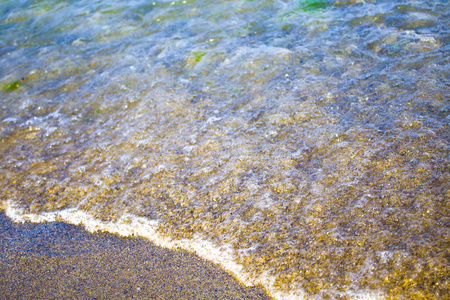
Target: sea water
[(302, 145)]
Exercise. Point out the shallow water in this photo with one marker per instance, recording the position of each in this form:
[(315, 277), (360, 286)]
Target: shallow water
[(307, 138)]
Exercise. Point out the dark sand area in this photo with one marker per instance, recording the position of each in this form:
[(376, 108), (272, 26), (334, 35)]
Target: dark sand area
[(62, 261)]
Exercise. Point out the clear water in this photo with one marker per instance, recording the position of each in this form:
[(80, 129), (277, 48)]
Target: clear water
[(308, 138)]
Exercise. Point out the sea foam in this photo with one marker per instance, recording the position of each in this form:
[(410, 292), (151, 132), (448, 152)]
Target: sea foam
[(133, 226)]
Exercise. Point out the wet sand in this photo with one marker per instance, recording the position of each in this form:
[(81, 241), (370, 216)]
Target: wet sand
[(62, 261)]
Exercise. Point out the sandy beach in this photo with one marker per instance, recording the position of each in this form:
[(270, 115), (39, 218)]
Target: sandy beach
[(57, 260), (297, 147)]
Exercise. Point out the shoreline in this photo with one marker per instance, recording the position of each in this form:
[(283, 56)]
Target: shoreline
[(56, 259)]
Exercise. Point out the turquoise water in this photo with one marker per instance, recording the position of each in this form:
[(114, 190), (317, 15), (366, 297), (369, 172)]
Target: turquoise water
[(309, 138)]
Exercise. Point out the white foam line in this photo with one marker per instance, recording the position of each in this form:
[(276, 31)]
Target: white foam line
[(129, 225)]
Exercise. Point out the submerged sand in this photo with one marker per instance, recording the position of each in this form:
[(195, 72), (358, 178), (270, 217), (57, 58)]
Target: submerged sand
[(58, 260)]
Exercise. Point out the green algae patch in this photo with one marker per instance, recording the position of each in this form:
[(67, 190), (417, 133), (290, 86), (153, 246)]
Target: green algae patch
[(9, 87), (313, 5), (195, 57)]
